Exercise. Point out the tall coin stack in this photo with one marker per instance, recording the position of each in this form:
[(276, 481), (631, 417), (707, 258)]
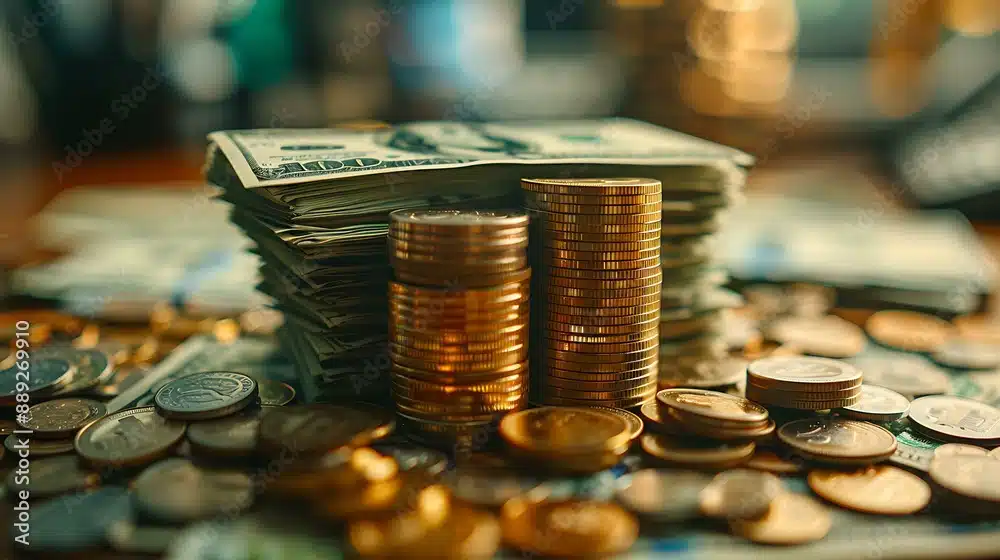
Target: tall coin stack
[(596, 253), (458, 320), (693, 349)]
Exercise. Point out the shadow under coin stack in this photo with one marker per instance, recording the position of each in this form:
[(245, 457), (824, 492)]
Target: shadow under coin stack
[(458, 329), (596, 253)]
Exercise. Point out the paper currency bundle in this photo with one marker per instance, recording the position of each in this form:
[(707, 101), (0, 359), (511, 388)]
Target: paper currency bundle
[(316, 204)]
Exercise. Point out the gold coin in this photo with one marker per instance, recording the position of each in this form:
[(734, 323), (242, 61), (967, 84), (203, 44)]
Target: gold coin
[(460, 377), (783, 395), (498, 294), (602, 321), (603, 302), (587, 386), (468, 279), (804, 404), (587, 347), (551, 245), (593, 187), (881, 489), (591, 200), (503, 384), (658, 423), (456, 411), (959, 449), (460, 336), (980, 328), (639, 327), (582, 311), (628, 403), (713, 405), (838, 439), (652, 277), (550, 255), (431, 345), (61, 418), (791, 519), (565, 430), (611, 228), (546, 236), (486, 249), (587, 395), (612, 368), (592, 209), (488, 237), (601, 338), (500, 312), (463, 427), (464, 357), (590, 358), (572, 464), (700, 427), (550, 264), (446, 221), (465, 321), (457, 367), (908, 330), (437, 402), (458, 328), (769, 461), (696, 453), (644, 373), (131, 437), (634, 422), (623, 276), (554, 292), (567, 528), (443, 265)]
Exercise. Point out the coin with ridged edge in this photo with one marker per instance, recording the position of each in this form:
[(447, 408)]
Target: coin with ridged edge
[(878, 404), (201, 396), (802, 373), (61, 418), (593, 187), (838, 440), (696, 453)]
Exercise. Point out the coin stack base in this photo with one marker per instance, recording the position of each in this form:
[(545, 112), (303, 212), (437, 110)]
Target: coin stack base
[(803, 383)]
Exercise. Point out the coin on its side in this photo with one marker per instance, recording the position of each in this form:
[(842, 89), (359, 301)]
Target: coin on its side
[(274, 393), (230, 436), (567, 528), (740, 494), (969, 476), (881, 489), (792, 519), (838, 440), (202, 396), (62, 418), (959, 449), (52, 476), (878, 404), (661, 494), (949, 418), (131, 437), (93, 367), (908, 330), (176, 491)]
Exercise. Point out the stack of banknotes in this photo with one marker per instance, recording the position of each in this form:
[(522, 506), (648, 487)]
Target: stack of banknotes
[(316, 205)]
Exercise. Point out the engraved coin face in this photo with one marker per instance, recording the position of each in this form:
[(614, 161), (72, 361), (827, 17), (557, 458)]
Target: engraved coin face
[(838, 439), (274, 393), (176, 491), (61, 418), (974, 477), (130, 437), (878, 404), (957, 419), (206, 395), (879, 489), (713, 405), (41, 375), (92, 366), (803, 370), (566, 429)]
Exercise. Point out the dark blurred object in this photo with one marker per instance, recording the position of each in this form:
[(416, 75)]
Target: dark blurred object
[(954, 161)]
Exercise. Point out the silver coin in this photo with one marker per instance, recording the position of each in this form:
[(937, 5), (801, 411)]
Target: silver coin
[(274, 393), (201, 396), (907, 374), (93, 367), (38, 377), (740, 494), (231, 436), (950, 449), (176, 491), (961, 353), (878, 404), (793, 372), (78, 521), (662, 495), (37, 447), (951, 418)]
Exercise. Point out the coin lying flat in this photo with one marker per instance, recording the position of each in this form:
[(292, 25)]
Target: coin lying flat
[(769, 461), (696, 453), (176, 491), (908, 330), (838, 440), (949, 418), (827, 335), (565, 430), (792, 373), (314, 429), (42, 377), (230, 436), (982, 328), (881, 489), (93, 366), (52, 476), (57, 525), (959, 449), (202, 396), (878, 404), (413, 458), (634, 421), (662, 495), (37, 447), (964, 353), (62, 418), (792, 519), (740, 494), (712, 404), (994, 453), (130, 437), (567, 528), (274, 393), (968, 476)]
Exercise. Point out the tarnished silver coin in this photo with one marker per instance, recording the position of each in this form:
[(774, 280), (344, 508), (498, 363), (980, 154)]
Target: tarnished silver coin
[(740, 494), (878, 404), (176, 491), (274, 393), (231, 436), (201, 396), (662, 495), (962, 353), (907, 374), (949, 418), (131, 437), (93, 367), (61, 418), (37, 377)]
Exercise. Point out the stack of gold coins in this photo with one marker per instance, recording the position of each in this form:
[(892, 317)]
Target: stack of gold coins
[(712, 415), (803, 382), (596, 246), (459, 315)]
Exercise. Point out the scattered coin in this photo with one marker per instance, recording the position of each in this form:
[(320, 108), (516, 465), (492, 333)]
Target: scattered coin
[(959, 449), (837, 440), (203, 396), (881, 489), (826, 335), (908, 330), (907, 374), (487, 488), (967, 353), (57, 525), (995, 453), (662, 495), (559, 430), (712, 404), (93, 366), (230, 436), (130, 437), (634, 422), (949, 418), (792, 519), (567, 528), (740, 494), (968, 476), (7, 427), (878, 404), (129, 538), (413, 458), (983, 328), (52, 476), (15, 443), (769, 461), (703, 454), (41, 377), (312, 430), (802, 373), (62, 418), (176, 491), (274, 393)]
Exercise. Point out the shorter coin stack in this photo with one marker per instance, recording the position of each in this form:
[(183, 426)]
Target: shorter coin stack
[(713, 415), (803, 383), (567, 439), (458, 309), (596, 246)]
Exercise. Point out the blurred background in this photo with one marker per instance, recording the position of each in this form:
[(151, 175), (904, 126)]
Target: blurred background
[(884, 114)]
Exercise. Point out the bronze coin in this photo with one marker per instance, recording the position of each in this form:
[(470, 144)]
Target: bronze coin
[(62, 418)]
